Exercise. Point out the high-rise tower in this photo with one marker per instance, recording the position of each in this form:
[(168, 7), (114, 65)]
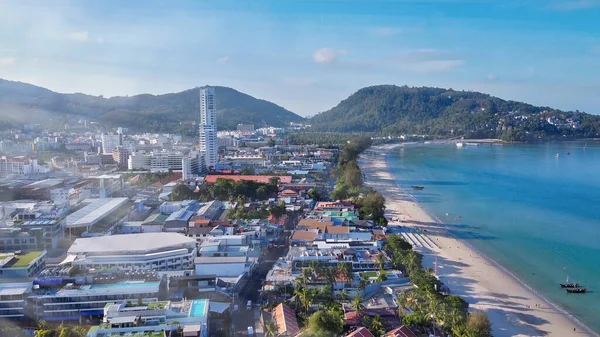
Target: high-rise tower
[(208, 126)]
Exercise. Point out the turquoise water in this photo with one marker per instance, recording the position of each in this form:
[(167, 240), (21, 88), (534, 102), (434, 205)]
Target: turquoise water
[(198, 308), (537, 215), (121, 285)]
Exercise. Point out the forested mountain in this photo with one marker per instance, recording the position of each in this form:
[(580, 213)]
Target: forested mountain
[(25, 103), (446, 112)]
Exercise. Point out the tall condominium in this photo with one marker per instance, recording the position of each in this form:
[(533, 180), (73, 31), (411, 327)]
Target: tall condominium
[(110, 141), (208, 126)]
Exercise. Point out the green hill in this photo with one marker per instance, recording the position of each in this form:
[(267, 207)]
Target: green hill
[(24, 103), (446, 112)]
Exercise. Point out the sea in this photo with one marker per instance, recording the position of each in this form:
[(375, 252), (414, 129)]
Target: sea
[(533, 208)]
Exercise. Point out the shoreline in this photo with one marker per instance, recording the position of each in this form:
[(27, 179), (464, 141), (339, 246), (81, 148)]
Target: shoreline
[(484, 283)]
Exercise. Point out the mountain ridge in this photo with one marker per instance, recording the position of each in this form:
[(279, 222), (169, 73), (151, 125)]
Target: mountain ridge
[(391, 109), (20, 101)]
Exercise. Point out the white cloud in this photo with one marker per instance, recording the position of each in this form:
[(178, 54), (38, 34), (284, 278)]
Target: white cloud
[(427, 61), (80, 36), (386, 31), (7, 61), (223, 59), (327, 55), (492, 77)]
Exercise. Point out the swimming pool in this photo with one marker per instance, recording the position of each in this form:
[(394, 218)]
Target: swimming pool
[(121, 285), (198, 308)]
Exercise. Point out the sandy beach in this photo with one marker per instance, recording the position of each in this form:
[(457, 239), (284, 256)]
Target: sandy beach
[(513, 308)]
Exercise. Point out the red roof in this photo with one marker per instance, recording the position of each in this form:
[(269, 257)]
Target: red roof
[(360, 332), (402, 331), (285, 318), (211, 179)]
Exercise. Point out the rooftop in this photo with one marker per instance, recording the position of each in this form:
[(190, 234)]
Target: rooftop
[(94, 212), (11, 289), (46, 183), (129, 243), (220, 259), (360, 332), (18, 261)]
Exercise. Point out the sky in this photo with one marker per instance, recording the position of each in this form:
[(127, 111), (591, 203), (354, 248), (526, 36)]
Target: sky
[(308, 55)]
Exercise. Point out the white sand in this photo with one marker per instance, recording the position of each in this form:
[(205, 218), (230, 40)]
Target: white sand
[(513, 308)]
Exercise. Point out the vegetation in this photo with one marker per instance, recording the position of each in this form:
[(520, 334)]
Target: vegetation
[(431, 308), (349, 182), (44, 330), (226, 189), (389, 109), (150, 113), (325, 323)]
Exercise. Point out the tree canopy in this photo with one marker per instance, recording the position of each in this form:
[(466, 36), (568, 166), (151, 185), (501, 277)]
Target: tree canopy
[(390, 109)]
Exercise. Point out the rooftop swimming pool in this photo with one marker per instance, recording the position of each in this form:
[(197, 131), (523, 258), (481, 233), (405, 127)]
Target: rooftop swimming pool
[(198, 308), (122, 285)]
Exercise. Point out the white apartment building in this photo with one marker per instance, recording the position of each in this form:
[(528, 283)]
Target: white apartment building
[(208, 126), (110, 141), (139, 161), (18, 165), (105, 185), (143, 251), (190, 167), (165, 161), (75, 302), (123, 319)]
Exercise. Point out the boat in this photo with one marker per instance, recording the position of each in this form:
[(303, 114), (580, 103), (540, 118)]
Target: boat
[(570, 285), (576, 290), (472, 144), (418, 188), (460, 144)]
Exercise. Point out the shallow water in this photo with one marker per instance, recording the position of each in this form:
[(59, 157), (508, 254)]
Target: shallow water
[(534, 213)]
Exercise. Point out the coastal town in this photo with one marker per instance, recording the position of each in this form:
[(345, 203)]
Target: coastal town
[(144, 235), (236, 233)]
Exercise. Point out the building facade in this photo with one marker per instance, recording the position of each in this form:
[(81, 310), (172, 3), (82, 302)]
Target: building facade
[(208, 126), (18, 165), (120, 155), (110, 141)]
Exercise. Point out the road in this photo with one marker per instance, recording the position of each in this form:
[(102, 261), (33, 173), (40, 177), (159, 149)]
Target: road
[(243, 318)]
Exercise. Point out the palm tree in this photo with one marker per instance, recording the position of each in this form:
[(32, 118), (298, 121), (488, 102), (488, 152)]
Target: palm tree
[(305, 298), (330, 276), (412, 262), (343, 295), (376, 327), (345, 270), (271, 329), (313, 265), (401, 300), (379, 261), (306, 275), (382, 276), (411, 301), (357, 304)]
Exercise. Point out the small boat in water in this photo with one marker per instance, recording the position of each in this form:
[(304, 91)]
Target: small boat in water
[(576, 290), (472, 144), (460, 144), (570, 285), (418, 188)]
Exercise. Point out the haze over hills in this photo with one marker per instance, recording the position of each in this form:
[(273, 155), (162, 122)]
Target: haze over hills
[(446, 112), (25, 103)]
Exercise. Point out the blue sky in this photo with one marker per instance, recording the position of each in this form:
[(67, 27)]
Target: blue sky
[(308, 55)]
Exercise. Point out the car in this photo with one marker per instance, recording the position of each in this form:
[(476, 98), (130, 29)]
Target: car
[(249, 305), (236, 307)]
